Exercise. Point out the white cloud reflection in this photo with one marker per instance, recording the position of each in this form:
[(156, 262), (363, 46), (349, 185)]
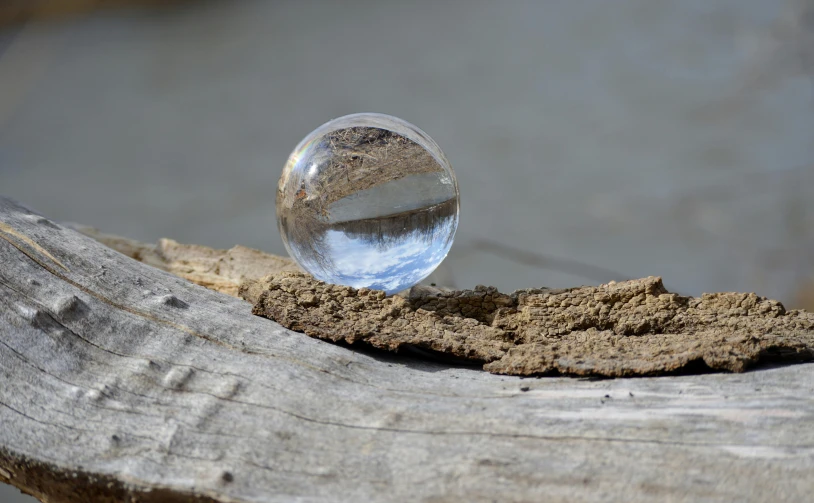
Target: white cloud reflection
[(362, 264)]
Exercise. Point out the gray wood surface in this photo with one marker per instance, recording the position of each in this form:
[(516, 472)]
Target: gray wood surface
[(122, 382)]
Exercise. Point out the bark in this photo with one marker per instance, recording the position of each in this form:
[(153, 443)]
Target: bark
[(630, 328)]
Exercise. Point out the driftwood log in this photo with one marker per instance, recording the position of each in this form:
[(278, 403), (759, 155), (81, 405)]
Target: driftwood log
[(120, 381)]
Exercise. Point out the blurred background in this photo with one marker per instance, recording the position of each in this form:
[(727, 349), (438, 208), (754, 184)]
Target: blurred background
[(592, 140)]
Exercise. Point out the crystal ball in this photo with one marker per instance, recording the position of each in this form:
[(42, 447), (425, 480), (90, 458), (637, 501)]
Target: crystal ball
[(368, 201)]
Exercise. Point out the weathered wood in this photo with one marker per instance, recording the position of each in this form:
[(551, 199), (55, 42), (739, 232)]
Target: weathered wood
[(220, 270), (121, 381)]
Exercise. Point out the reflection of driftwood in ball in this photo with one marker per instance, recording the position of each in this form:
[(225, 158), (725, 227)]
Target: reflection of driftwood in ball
[(363, 186), (363, 157), (358, 158), (121, 382)]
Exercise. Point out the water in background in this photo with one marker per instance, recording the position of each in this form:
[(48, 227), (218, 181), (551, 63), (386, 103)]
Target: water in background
[(642, 137), (592, 140)]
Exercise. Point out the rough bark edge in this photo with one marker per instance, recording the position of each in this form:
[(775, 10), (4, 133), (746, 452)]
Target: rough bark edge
[(625, 329)]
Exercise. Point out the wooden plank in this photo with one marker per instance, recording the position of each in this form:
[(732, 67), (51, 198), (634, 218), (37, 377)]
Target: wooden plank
[(119, 380)]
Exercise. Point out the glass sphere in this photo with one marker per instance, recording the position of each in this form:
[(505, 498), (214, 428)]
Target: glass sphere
[(368, 200)]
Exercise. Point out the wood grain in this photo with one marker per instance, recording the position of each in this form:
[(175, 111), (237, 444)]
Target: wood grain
[(122, 382)]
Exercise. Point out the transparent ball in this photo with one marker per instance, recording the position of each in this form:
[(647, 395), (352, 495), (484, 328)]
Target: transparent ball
[(368, 200)]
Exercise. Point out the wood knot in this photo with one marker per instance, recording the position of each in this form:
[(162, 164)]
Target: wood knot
[(177, 377), (40, 220), (93, 395), (68, 305), (227, 388), (172, 301), (34, 316)]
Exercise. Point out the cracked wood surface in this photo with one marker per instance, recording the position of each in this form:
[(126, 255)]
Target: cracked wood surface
[(122, 382)]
